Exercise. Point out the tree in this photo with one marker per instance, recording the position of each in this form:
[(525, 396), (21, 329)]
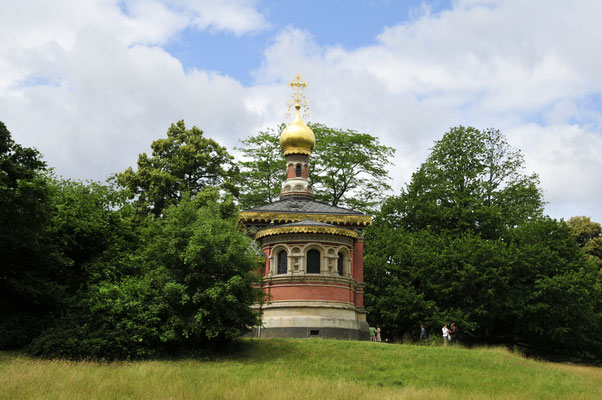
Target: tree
[(184, 162), (588, 235), (263, 169), (347, 168), (25, 292), (187, 287), (465, 242), (350, 168), (472, 180)]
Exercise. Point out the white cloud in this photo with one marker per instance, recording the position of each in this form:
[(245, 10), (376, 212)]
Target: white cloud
[(237, 16), (501, 64), (90, 86), (87, 84)]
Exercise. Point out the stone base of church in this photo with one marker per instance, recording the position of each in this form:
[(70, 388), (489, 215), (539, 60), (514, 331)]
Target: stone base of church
[(312, 332), (313, 319)]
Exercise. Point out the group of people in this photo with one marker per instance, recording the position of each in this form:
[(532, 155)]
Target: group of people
[(449, 335), (375, 334)]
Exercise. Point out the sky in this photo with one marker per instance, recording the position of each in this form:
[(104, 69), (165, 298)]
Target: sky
[(91, 83)]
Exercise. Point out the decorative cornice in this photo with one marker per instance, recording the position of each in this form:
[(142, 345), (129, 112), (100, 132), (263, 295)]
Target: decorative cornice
[(308, 238), (329, 230), (313, 279), (297, 150), (251, 216)]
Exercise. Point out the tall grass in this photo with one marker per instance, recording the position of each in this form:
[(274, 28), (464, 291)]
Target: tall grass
[(306, 369)]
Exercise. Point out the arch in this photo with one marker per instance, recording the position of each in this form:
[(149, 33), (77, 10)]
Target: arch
[(344, 259), (341, 264), (314, 261), (298, 170), (274, 258), (282, 262)]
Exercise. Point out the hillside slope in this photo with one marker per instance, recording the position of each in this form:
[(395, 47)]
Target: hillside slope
[(306, 369)]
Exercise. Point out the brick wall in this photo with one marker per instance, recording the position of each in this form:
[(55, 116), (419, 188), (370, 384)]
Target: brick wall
[(311, 291)]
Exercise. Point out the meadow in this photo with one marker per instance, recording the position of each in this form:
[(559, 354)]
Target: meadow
[(305, 369)]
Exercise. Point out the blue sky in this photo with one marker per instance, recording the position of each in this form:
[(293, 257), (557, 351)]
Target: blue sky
[(350, 24), (91, 83)]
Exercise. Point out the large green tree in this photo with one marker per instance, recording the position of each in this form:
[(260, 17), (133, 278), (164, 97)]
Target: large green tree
[(26, 291), (472, 180), (184, 162), (186, 286), (466, 242), (347, 168)]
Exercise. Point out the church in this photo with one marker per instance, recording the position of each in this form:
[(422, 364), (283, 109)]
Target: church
[(314, 268)]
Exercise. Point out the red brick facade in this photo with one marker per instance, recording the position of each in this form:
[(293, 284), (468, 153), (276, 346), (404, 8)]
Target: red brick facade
[(311, 291)]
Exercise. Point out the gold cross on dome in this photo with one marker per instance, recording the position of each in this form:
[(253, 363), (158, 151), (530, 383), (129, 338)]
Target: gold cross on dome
[(298, 98), (300, 84)]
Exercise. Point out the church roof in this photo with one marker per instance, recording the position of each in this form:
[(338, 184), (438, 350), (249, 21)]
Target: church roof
[(306, 226), (299, 205), (308, 222)]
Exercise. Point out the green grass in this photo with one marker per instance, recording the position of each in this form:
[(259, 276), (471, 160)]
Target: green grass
[(306, 369)]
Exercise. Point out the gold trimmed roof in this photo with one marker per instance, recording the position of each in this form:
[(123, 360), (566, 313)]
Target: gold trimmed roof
[(284, 217), (287, 229)]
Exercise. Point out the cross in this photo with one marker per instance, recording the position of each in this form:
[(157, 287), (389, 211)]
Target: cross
[(300, 84)]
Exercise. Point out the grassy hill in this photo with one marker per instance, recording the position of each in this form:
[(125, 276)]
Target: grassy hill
[(306, 369)]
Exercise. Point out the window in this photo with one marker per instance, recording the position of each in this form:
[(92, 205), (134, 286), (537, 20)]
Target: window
[(298, 170), (313, 262), (282, 262), (340, 263)]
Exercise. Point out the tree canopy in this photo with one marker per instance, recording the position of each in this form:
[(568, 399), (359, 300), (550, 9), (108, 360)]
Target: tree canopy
[(185, 286), (184, 162), (263, 168), (87, 273), (472, 180), (347, 168), (466, 242), (588, 235), (25, 209)]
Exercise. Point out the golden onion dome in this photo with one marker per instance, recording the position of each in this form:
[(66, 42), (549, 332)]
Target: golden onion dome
[(297, 138)]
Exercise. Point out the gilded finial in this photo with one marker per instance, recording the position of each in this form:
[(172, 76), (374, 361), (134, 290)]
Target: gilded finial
[(298, 99)]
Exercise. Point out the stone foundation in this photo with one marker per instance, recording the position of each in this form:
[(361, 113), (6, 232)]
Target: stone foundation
[(313, 319)]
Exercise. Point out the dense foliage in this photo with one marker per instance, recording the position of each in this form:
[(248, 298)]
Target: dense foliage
[(588, 235), (187, 286), (347, 168), (465, 242), (155, 263), (184, 162), (27, 292), (263, 168), (87, 273)]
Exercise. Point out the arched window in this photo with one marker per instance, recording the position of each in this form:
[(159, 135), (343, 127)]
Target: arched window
[(298, 170), (282, 262), (340, 264), (313, 262)]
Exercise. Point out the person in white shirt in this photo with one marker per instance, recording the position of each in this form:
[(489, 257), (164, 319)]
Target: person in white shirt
[(446, 336)]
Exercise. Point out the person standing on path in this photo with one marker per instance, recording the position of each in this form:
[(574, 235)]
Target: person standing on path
[(378, 333), (372, 334)]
